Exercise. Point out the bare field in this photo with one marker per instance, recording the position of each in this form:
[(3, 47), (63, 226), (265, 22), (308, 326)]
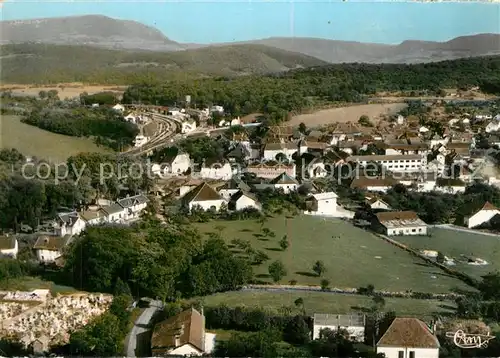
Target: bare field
[(68, 90), (33, 141), (346, 114)]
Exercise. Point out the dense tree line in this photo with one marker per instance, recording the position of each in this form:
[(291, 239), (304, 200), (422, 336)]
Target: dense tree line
[(298, 90), (106, 125), (28, 197), (155, 261)]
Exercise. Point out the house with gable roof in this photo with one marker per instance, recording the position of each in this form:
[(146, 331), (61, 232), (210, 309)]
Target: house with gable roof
[(69, 223), (322, 203), (399, 223), (243, 200), (482, 216), (231, 187), (50, 248), (133, 206), (9, 246), (283, 181), (354, 324), (182, 335), (408, 338), (203, 196)]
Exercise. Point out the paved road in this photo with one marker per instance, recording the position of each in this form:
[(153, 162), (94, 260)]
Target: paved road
[(134, 342), (463, 229)]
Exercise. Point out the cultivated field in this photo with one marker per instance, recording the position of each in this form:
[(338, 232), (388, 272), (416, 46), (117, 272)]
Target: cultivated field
[(455, 244), (33, 141), (324, 302), (353, 257), (346, 114), (68, 90), (33, 283)]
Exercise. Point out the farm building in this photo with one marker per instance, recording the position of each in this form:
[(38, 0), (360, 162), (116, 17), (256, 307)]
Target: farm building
[(203, 196), (322, 203), (352, 323), (399, 223), (408, 338)]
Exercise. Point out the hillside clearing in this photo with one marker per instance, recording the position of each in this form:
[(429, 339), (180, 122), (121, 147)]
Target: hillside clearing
[(346, 114), (33, 141), (65, 90), (353, 257)]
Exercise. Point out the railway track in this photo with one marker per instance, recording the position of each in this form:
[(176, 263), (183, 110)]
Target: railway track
[(169, 127)]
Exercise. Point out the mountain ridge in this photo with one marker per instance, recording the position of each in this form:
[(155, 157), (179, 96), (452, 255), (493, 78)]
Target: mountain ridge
[(106, 32)]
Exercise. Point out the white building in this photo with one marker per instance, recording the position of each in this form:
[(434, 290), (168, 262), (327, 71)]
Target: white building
[(376, 203), (175, 164), (188, 126), (243, 200), (68, 224), (354, 324), (408, 338), (283, 182), (140, 140), (203, 196), (232, 187), (323, 203), (9, 246), (218, 109), (273, 151), (182, 335), (393, 163), (392, 223), (221, 171), (49, 248), (118, 107), (133, 206), (115, 214), (483, 216)]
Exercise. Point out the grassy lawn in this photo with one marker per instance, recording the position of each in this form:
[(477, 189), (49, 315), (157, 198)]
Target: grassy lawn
[(33, 141), (457, 243), (323, 302), (353, 257), (33, 283)]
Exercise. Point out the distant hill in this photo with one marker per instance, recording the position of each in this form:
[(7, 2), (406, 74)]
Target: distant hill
[(407, 52), (44, 63), (93, 30)]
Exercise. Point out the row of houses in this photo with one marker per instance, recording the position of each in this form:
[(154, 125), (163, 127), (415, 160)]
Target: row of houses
[(66, 225), (185, 334)]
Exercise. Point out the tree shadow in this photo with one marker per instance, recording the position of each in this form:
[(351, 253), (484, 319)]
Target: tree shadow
[(245, 230), (257, 235), (439, 274), (360, 309), (307, 274), (263, 275), (273, 249), (447, 307)]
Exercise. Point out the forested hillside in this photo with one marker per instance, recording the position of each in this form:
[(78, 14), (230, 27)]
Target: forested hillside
[(45, 64), (299, 89)]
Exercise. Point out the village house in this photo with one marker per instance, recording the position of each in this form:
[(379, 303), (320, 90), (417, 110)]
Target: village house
[(119, 107), (279, 151), (450, 185), (270, 170), (393, 163), (354, 324), (283, 182), (482, 216), (408, 338), (312, 146), (114, 213), (133, 206), (243, 200), (182, 335), (231, 187), (375, 184), (9, 246), (461, 148), (50, 248), (175, 163), (239, 153), (94, 217), (322, 204), (392, 223), (140, 140), (68, 224), (407, 148), (203, 196), (221, 171), (375, 203)]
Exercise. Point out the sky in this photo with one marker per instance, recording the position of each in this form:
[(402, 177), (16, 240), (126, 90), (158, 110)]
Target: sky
[(218, 21)]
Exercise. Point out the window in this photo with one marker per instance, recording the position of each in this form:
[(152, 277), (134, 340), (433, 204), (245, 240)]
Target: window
[(412, 354), (401, 354), (412, 230)]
